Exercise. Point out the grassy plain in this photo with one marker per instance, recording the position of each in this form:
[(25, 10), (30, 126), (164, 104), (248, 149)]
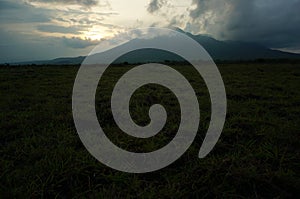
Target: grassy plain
[(257, 156)]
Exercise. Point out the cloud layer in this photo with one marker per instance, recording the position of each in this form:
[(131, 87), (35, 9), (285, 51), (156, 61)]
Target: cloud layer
[(274, 23), (155, 5), (87, 3)]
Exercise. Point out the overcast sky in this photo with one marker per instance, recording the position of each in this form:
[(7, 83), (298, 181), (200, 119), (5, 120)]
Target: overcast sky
[(47, 29)]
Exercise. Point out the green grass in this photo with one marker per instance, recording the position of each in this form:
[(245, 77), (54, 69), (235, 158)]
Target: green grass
[(257, 156)]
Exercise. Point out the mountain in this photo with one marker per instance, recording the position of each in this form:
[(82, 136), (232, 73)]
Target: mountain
[(57, 61), (237, 50), (218, 50)]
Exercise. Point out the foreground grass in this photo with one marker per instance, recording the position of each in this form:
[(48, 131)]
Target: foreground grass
[(257, 156)]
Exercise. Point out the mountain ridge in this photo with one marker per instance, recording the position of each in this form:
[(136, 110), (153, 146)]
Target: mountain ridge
[(219, 50)]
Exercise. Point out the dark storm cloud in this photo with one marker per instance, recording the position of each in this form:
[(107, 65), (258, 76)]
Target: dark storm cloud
[(58, 29), (274, 23), (87, 3), (18, 12), (155, 5), (7, 5)]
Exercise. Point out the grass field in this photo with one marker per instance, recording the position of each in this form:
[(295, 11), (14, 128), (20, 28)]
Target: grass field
[(257, 156)]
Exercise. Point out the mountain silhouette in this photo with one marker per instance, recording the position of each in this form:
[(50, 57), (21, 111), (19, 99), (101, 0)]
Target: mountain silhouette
[(218, 50)]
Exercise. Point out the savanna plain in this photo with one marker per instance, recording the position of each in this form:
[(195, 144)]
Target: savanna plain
[(257, 155)]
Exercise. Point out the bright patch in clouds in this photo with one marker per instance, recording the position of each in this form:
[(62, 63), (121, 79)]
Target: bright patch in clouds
[(97, 20)]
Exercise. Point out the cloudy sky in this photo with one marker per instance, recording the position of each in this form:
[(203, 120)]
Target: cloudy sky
[(47, 29)]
